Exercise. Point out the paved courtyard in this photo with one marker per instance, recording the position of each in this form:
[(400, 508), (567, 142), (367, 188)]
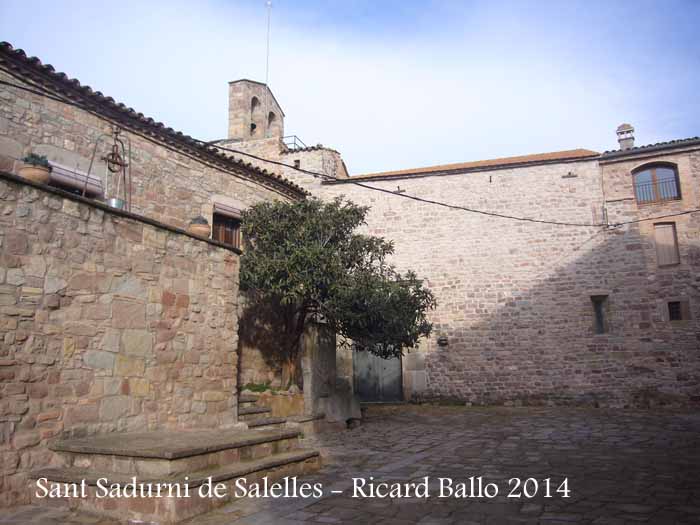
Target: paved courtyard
[(622, 466)]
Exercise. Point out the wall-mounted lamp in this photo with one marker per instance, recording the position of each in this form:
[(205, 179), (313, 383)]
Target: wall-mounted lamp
[(442, 340)]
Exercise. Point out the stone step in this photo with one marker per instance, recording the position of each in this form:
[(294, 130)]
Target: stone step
[(249, 413), (268, 422), (311, 425), (245, 399), (171, 510), (171, 453)]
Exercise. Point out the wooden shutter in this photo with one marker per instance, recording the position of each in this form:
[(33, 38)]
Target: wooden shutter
[(666, 244), (227, 230)]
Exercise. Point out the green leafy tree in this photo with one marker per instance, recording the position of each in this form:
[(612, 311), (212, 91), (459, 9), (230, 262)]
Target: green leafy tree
[(307, 259)]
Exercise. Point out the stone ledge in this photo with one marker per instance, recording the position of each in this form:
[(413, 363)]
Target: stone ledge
[(169, 445), (247, 411), (306, 418), (194, 479), (265, 421), (10, 177)]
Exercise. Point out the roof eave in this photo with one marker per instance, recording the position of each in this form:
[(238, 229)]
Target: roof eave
[(458, 171), (30, 69), (651, 149)]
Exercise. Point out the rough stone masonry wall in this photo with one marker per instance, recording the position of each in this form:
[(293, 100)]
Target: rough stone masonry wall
[(514, 297), (107, 323), (167, 184)]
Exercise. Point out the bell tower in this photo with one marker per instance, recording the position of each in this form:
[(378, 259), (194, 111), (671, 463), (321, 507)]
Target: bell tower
[(253, 111)]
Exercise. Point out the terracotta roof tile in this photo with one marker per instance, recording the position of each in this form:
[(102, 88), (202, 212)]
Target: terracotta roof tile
[(20, 65), (678, 143), (574, 154)]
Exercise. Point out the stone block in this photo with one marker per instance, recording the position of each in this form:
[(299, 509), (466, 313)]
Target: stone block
[(129, 366), (98, 359), (137, 342), (114, 407), (15, 276), (139, 387), (128, 314), (213, 395), (111, 340), (47, 416), (16, 242), (26, 439), (68, 347), (87, 413)]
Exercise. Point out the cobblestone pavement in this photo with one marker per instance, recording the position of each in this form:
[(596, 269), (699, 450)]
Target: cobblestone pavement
[(623, 466)]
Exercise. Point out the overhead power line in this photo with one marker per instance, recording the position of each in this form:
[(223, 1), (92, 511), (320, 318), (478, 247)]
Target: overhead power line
[(374, 188)]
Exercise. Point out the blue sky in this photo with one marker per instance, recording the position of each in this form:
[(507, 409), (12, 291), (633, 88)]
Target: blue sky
[(390, 84)]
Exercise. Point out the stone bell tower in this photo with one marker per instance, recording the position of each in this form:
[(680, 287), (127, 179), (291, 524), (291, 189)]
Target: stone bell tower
[(253, 111)]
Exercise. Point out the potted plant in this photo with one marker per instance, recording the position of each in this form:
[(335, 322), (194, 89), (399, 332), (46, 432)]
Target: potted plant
[(36, 168), (199, 226)]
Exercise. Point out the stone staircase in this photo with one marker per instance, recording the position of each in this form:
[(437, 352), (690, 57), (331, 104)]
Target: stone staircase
[(184, 458), (260, 417), (255, 416)]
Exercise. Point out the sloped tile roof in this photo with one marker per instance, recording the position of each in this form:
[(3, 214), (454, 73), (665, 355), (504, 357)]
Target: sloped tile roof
[(670, 144), (522, 160), (19, 65)]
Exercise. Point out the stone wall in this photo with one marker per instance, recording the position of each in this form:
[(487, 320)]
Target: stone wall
[(514, 298), (168, 185), (315, 159), (108, 323)]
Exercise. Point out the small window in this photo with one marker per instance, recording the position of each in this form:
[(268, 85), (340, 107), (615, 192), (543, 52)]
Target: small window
[(666, 242), (271, 118), (297, 163), (678, 310), (600, 303), (254, 114), (227, 230), (656, 183)]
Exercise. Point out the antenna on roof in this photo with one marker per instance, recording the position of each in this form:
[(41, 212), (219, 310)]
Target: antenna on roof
[(268, 3)]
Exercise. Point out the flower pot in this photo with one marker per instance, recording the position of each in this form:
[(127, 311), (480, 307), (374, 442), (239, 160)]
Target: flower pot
[(34, 173), (200, 230)]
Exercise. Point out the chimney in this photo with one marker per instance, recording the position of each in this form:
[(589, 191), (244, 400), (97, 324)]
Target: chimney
[(625, 136)]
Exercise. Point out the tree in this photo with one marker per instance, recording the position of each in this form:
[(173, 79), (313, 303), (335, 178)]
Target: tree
[(306, 258)]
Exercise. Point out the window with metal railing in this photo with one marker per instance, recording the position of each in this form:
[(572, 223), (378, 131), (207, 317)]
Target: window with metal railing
[(656, 183)]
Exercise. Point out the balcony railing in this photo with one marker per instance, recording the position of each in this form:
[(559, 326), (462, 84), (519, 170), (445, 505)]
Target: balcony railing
[(293, 142), (659, 191)]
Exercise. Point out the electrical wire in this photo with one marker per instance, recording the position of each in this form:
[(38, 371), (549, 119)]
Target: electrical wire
[(325, 176)]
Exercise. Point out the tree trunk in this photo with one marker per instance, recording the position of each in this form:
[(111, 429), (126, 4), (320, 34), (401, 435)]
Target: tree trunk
[(291, 369), (290, 372)]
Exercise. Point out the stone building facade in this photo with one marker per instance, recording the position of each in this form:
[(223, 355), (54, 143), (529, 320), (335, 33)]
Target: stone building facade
[(115, 320), (531, 312), (111, 320)]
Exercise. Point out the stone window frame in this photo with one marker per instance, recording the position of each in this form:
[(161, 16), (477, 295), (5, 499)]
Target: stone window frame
[(685, 310), (601, 313)]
